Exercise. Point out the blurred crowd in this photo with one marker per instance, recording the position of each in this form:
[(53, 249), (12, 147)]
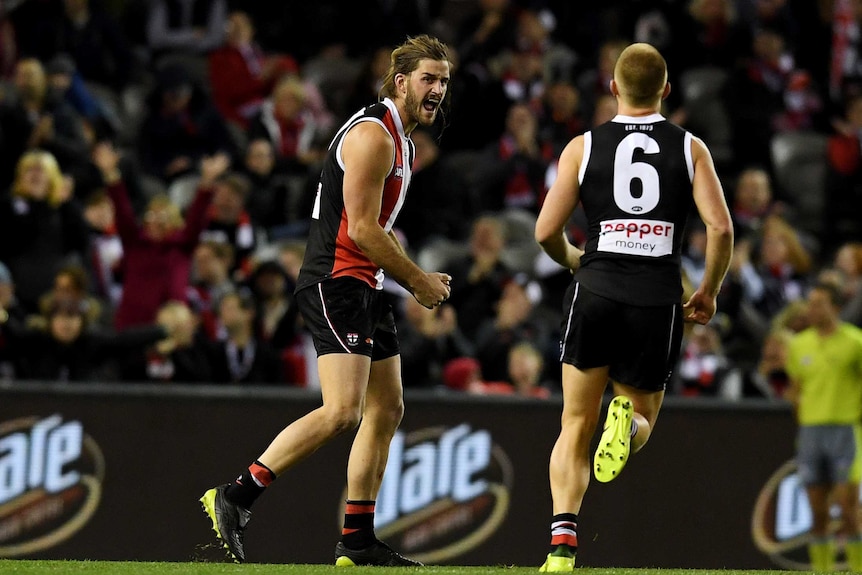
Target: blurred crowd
[(159, 161)]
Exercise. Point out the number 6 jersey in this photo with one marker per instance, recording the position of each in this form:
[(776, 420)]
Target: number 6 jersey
[(636, 190)]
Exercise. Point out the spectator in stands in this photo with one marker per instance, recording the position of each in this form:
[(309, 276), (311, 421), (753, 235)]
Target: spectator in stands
[(105, 253), (479, 277), (848, 263), (228, 222), (285, 120), (183, 358), (41, 228), (561, 118), (366, 88), (526, 368), (270, 202), (33, 119), (290, 256), (441, 204), (523, 78), (784, 266), (752, 202), (97, 44), (767, 95), (73, 284), (277, 320), (67, 350), (605, 109), (739, 319), (65, 84), (703, 364), (210, 280), (594, 83), (191, 26), (518, 318), (512, 171), (158, 250), (241, 74), (242, 357), (711, 35), (180, 126), (770, 378), (488, 32), (464, 374), (843, 201), (429, 340)]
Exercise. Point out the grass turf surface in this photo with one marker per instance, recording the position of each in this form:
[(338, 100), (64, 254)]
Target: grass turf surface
[(27, 567)]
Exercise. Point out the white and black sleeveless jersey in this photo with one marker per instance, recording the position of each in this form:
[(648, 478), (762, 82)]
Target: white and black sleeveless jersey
[(636, 189)]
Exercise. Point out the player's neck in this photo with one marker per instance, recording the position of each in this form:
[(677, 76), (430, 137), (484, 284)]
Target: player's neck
[(636, 112)]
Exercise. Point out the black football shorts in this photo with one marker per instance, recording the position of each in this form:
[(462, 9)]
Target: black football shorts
[(640, 344), (346, 315)]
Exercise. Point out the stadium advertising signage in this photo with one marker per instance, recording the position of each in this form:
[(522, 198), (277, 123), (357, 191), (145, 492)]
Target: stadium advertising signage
[(782, 520), (50, 482), (466, 480), (445, 491)]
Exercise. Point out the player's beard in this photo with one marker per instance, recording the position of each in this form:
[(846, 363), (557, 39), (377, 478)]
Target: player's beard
[(415, 109)]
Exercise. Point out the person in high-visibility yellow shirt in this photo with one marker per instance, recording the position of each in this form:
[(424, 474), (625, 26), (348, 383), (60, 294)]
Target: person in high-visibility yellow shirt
[(824, 364)]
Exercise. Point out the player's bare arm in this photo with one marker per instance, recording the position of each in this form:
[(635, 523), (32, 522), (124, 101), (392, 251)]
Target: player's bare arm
[(712, 207), (559, 204), (368, 153)]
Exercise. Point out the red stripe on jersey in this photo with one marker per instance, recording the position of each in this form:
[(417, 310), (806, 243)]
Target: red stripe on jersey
[(349, 259)]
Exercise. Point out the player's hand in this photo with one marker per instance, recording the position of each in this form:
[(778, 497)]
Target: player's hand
[(699, 308), (434, 290)]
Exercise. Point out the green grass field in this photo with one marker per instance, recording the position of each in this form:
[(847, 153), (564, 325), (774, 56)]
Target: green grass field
[(28, 567)]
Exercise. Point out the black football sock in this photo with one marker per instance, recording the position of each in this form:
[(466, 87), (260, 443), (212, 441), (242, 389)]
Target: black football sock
[(246, 488), (358, 530)]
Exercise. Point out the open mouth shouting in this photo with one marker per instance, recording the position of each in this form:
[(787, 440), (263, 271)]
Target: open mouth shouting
[(430, 104)]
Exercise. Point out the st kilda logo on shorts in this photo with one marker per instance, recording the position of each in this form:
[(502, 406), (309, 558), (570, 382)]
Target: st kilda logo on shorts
[(444, 492), (352, 339), (51, 475), (781, 521)]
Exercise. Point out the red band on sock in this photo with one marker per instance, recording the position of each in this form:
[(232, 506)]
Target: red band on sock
[(346, 531), (354, 509), (570, 540), (262, 474)]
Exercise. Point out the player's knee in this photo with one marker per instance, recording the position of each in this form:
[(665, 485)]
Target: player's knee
[(580, 423), (396, 413), (387, 416), (344, 419)]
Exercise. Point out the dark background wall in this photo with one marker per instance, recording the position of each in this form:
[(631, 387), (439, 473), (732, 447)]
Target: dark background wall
[(686, 501)]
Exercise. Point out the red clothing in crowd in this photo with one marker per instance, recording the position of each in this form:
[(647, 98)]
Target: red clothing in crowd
[(238, 85), (155, 272)]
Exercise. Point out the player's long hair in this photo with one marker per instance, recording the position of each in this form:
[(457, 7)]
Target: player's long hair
[(405, 59)]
